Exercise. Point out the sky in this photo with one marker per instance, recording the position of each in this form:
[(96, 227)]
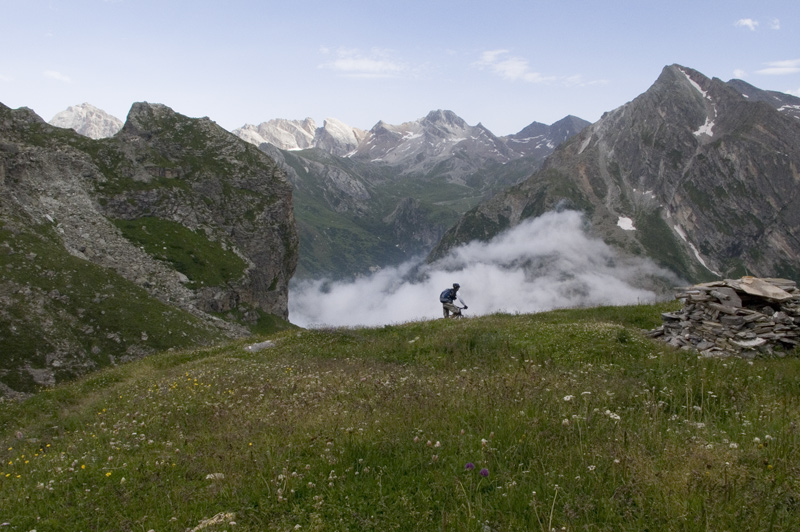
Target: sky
[(541, 264), (504, 63)]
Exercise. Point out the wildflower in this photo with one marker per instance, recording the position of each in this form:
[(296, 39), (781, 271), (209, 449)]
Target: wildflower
[(569, 397), (470, 466), (484, 442), (437, 444), (734, 445), (565, 422), (591, 468), (484, 472)]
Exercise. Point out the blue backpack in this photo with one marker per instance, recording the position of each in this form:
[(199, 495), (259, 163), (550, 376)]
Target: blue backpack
[(446, 296)]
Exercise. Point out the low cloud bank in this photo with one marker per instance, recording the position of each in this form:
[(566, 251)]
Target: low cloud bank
[(541, 264)]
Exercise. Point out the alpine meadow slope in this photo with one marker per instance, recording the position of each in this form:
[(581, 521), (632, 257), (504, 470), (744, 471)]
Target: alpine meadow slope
[(565, 420)]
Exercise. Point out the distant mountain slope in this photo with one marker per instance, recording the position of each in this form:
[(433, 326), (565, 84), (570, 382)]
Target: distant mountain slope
[(333, 137), (88, 120), (170, 234), (358, 213), (699, 174)]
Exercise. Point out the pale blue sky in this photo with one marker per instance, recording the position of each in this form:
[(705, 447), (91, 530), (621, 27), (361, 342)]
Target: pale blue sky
[(502, 63)]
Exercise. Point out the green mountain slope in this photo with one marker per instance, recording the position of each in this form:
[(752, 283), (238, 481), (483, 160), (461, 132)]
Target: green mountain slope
[(568, 420), (170, 234)]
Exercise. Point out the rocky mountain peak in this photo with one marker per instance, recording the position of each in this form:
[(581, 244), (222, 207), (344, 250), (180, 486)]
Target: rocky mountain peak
[(444, 118), (697, 173), (87, 120)]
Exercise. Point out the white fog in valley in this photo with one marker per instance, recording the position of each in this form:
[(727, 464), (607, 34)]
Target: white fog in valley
[(541, 264)]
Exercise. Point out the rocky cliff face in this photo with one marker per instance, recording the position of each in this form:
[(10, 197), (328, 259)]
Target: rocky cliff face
[(699, 174), (171, 233)]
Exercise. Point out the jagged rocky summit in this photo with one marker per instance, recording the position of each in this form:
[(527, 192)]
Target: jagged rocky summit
[(745, 317), (172, 233)]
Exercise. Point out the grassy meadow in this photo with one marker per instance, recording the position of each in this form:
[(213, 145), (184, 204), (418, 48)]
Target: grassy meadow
[(565, 420)]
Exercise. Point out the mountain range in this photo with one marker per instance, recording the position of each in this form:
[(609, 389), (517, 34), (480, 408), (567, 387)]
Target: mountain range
[(696, 173), (369, 199)]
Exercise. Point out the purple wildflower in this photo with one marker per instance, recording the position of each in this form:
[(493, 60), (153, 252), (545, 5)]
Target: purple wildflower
[(470, 466), (484, 472)]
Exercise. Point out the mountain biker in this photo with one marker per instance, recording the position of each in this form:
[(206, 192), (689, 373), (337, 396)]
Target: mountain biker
[(447, 298)]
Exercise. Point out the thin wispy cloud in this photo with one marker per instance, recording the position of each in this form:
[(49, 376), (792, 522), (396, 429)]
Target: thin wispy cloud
[(510, 67), (513, 68), (358, 64), (781, 68), (746, 23), (58, 76), (775, 24)]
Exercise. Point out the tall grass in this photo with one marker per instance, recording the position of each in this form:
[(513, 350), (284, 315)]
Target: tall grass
[(570, 420)]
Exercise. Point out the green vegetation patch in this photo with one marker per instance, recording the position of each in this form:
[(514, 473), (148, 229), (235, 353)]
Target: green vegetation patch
[(204, 262), (59, 306), (661, 244), (572, 420)]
